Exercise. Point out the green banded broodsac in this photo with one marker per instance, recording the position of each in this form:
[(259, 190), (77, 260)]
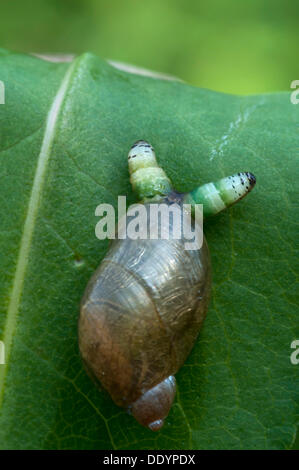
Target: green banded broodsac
[(143, 307)]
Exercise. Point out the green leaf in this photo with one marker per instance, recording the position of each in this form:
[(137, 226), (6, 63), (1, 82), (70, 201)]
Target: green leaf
[(65, 131)]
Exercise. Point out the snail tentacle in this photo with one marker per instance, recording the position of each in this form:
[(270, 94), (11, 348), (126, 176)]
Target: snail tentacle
[(215, 197), (147, 178)]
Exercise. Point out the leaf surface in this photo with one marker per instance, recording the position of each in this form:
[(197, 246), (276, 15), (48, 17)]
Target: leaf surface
[(65, 131)]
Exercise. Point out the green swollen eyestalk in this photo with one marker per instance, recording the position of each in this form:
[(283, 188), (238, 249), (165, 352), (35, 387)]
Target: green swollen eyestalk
[(215, 197), (147, 178), (149, 181)]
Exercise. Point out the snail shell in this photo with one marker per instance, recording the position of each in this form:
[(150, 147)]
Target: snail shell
[(140, 316)]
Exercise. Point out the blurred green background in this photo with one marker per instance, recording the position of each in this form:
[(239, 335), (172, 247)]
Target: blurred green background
[(236, 46)]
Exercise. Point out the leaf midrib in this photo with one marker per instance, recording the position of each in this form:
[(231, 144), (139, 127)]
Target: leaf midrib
[(31, 217)]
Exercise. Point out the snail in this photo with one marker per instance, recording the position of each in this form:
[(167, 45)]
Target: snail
[(143, 307)]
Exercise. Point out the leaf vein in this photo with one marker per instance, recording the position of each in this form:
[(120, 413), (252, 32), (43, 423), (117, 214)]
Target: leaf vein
[(30, 220)]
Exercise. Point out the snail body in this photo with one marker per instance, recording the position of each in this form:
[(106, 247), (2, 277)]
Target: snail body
[(140, 317), (144, 306)]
